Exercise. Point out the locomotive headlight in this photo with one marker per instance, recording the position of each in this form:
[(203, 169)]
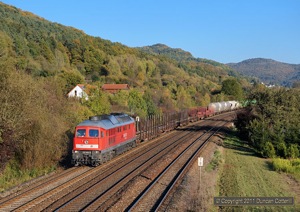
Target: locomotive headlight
[(75, 151)]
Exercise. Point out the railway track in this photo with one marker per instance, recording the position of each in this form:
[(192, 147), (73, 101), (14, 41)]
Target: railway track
[(101, 187), (152, 198), (13, 202), (100, 194)]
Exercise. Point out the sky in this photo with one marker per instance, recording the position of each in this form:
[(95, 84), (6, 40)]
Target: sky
[(221, 30)]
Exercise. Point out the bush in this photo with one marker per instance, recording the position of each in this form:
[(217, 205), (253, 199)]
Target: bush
[(282, 165), (216, 160), (285, 165), (33, 120), (13, 174), (268, 150), (293, 151), (282, 150)]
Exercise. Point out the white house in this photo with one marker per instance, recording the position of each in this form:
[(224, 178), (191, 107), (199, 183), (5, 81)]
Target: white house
[(78, 92)]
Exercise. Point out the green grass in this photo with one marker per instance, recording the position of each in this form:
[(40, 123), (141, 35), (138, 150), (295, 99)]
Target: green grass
[(244, 174), (215, 161), (12, 175)]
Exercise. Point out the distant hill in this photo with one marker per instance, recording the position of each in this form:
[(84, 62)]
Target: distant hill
[(162, 49), (268, 71), (183, 56), (175, 53)]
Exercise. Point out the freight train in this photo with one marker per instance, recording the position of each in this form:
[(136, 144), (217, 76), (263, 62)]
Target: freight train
[(100, 138)]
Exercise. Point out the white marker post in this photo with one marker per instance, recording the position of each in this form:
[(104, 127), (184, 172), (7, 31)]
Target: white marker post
[(137, 120), (200, 164)]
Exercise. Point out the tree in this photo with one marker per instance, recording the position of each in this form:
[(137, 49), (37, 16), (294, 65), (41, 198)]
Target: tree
[(151, 108), (71, 79), (136, 103), (6, 45), (183, 99), (233, 88), (98, 102), (274, 118), (281, 149), (268, 150), (293, 151)]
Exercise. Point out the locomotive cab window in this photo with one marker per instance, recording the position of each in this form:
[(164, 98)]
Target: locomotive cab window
[(93, 133), (80, 133)]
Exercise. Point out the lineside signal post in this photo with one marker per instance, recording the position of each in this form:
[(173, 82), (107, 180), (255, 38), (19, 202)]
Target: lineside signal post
[(200, 164), (137, 120)]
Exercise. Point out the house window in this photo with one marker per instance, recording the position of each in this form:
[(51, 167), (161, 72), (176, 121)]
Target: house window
[(75, 93)]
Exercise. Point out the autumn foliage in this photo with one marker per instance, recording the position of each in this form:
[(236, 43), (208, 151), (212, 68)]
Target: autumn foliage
[(41, 61), (272, 126)]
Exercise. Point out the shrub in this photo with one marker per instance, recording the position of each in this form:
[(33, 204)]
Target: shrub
[(13, 174), (268, 150), (296, 164), (293, 151), (33, 120), (283, 165), (216, 160), (282, 150)]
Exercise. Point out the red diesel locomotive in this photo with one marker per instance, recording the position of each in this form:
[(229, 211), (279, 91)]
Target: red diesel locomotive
[(100, 138)]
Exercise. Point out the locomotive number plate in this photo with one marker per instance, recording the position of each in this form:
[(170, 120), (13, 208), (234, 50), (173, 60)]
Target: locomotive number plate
[(87, 146)]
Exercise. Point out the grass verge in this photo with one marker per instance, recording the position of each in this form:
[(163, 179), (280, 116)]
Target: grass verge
[(12, 175), (215, 161), (244, 174)]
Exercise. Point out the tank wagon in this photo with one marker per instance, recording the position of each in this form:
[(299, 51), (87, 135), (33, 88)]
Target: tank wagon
[(100, 138), (219, 107)]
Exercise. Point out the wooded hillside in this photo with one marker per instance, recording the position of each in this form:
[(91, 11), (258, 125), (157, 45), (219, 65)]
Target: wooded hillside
[(41, 61)]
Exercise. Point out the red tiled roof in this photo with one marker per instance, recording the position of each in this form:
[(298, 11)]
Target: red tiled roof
[(81, 86), (115, 87)]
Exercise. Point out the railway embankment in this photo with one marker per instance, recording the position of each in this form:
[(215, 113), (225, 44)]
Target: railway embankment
[(233, 169)]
